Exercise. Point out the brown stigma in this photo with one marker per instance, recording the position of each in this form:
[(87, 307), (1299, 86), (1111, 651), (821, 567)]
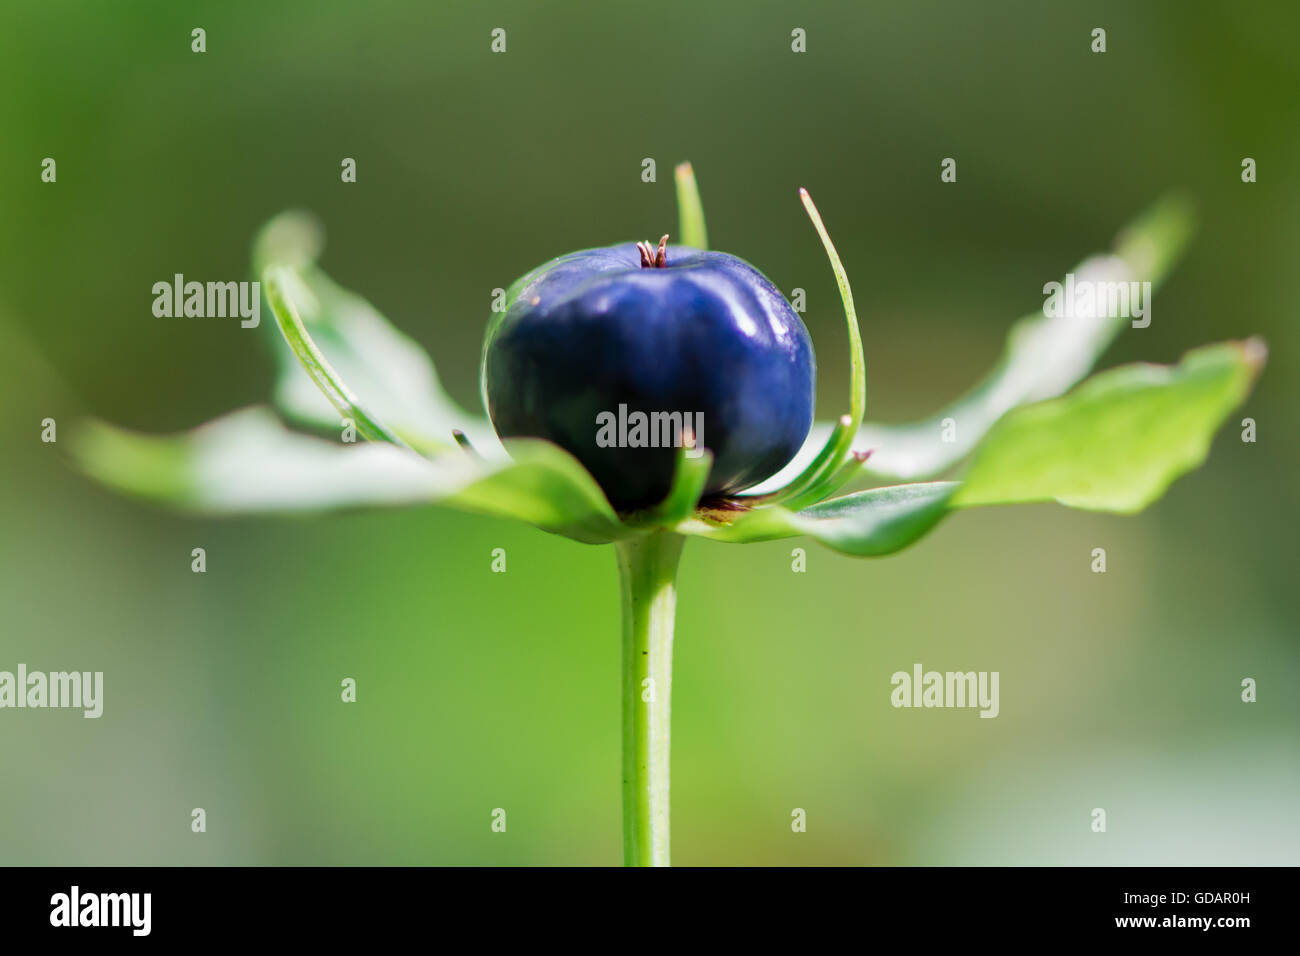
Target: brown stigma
[(652, 258)]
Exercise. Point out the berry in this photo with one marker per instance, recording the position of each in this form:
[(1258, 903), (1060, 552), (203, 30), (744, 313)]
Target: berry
[(593, 338)]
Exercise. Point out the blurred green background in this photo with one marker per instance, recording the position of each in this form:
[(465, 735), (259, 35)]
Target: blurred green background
[(480, 690)]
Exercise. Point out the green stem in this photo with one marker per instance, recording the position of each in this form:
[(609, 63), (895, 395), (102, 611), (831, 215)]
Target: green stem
[(647, 567)]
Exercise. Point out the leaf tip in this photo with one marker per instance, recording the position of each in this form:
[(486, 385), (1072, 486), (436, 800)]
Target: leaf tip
[(465, 444), (1255, 351), (1155, 241), (294, 237)]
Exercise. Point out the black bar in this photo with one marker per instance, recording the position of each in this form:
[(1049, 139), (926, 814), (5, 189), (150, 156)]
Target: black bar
[(300, 904)]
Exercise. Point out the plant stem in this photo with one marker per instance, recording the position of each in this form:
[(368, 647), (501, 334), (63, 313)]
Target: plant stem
[(647, 569)]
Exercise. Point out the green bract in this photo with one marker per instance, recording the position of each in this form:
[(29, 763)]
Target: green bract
[(1112, 444)]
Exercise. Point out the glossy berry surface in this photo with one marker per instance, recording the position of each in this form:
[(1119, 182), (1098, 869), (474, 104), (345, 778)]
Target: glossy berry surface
[(628, 328)]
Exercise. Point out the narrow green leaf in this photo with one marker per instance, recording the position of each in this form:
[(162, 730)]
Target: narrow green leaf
[(316, 365), (847, 472), (690, 210), (857, 361), (690, 476), (1120, 439), (815, 479)]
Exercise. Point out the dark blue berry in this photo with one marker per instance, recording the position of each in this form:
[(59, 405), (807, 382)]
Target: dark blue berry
[(629, 328)]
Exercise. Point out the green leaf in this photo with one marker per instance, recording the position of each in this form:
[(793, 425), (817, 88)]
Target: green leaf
[(865, 524), (818, 478), (690, 210), (880, 521), (391, 373), (1116, 442), (1043, 358), (1113, 444), (545, 486), (249, 463)]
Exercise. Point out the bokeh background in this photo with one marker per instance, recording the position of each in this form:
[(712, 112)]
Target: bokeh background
[(480, 690)]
